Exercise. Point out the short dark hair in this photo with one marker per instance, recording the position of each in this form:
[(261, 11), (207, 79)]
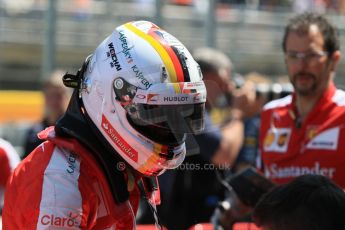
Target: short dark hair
[(211, 60), (309, 202), (301, 23)]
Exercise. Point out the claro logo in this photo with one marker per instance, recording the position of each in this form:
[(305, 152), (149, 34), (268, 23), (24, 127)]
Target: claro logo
[(53, 220)]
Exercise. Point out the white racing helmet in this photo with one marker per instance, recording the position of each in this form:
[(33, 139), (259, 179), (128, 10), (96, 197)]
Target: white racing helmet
[(144, 91)]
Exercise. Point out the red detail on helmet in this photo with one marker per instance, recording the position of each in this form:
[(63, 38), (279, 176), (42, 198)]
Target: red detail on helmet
[(118, 140), (171, 53), (152, 97)]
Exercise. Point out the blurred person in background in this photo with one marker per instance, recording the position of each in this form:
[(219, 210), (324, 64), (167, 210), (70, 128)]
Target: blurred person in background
[(302, 133), (224, 216), (308, 202), (134, 100), (196, 191), (265, 91), (226, 106), (249, 150), (9, 159), (56, 97)]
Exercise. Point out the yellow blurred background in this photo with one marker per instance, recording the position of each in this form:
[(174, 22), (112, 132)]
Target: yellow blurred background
[(24, 106)]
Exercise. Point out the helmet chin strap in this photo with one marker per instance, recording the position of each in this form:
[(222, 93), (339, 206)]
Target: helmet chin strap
[(150, 190)]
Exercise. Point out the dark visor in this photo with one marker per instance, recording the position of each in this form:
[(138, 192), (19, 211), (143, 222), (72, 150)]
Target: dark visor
[(163, 121)]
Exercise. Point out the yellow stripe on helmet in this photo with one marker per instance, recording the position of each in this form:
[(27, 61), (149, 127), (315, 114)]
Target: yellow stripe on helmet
[(177, 88), (158, 47)]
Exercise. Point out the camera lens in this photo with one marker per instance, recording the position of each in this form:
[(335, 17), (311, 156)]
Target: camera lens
[(273, 91)]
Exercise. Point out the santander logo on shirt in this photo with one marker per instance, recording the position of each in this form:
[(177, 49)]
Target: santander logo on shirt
[(58, 221), (274, 171)]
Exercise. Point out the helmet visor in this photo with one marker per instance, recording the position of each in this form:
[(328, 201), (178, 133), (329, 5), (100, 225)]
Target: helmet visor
[(179, 119), (168, 124)]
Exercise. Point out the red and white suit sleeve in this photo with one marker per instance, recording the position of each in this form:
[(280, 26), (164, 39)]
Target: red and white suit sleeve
[(59, 188), (47, 197)]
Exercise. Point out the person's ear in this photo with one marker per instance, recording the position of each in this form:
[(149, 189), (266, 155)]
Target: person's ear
[(335, 58)]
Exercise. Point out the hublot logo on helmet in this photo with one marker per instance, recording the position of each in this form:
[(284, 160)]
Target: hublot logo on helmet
[(115, 62), (179, 99)]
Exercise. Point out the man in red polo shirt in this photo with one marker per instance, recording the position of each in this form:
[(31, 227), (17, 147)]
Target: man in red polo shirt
[(303, 133)]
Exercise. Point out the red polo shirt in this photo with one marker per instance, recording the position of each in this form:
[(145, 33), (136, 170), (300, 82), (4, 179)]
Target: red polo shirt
[(317, 146)]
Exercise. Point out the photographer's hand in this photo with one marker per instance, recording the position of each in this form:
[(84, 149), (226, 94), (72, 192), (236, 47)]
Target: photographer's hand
[(244, 100), (232, 211)]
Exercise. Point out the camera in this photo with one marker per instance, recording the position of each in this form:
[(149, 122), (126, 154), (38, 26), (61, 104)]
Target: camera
[(249, 185), (273, 91), (245, 189), (270, 91)]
